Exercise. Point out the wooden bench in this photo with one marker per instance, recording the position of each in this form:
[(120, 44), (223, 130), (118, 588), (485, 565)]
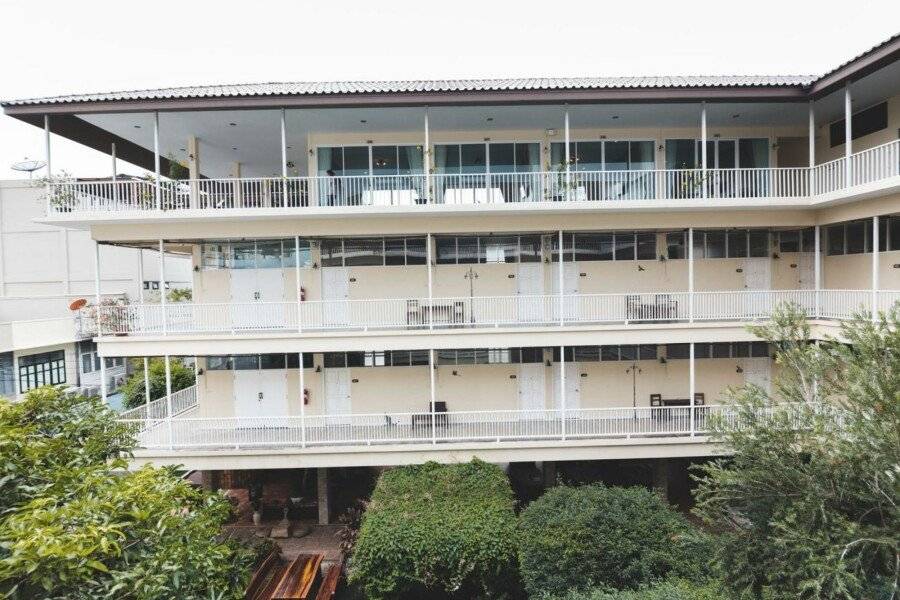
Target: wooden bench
[(269, 570), (298, 579), (330, 583)]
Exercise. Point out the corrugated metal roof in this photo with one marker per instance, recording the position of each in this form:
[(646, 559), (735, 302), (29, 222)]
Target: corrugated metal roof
[(422, 86)]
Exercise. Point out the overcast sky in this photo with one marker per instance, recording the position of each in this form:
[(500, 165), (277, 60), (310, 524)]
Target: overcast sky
[(64, 47)]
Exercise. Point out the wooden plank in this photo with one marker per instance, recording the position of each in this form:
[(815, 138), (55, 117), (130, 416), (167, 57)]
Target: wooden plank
[(261, 575), (330, 583), (298, 578), (277, 573)]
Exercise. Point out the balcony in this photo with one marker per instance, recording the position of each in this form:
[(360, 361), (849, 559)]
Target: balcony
[(423, 314), (272, 196)]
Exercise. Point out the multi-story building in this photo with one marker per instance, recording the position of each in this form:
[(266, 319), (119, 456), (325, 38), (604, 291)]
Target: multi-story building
[(520, 270), (43, 270)]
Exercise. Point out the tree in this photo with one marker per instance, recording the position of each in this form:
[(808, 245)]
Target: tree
[(75, 526), (611, 537), (133, 390), (438, 531), (809, 501)]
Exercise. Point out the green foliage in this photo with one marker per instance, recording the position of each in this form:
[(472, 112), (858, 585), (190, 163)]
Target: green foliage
[(438, 531), (808, 504), (675, 589), (180, 295), (77, 527), (133, 390), (589, 536)]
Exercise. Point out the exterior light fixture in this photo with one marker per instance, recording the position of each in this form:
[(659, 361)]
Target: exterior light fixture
[(735, 116), (137, 126), (233, 124), (615, 116), (551, 132), (234, 147), (363, 121), (489, 119)]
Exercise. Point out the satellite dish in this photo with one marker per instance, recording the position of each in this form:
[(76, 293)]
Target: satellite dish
[(28, 166)]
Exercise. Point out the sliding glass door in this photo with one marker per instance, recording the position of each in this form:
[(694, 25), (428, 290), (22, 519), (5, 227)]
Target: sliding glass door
[(607, 170), (489, 172), (730, 162), (370, 175)]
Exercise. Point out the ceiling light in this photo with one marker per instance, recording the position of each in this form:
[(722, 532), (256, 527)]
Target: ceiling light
[(489, 119), (182, 150), (234, 147), (289, 147), (363, 121), (233, 124), (137, 126), (615, 116), (735, 116)]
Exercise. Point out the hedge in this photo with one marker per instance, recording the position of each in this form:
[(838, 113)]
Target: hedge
[(438, 530), (612, 537), (667, 590)]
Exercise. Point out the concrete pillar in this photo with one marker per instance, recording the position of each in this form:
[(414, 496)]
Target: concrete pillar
[(193, 148), (661, 477), (235, 173), (322, 495), (548, 473)]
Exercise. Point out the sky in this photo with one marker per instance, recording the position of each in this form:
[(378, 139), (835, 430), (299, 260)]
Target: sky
[(64, 47)]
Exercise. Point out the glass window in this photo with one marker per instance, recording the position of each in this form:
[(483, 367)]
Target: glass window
[(293, 360), (715, 244), (616, 156), (499, 249), (699, 244), (363, 252), (680, 154), (528, 158), (219, 363), (721, 350), (856, 237), (646, 246), (356, 161), (246, 362), (609, 353), (759, 349), (467, 250), (675, 245), (416, 251), (446, 357), (588, 156), (418, 357), (789, 241), (376, 359), (882, 234), (737, 244), (568, 253), (502, 158), (528, 355), (570, 354), (530, 248), (213, 256), (473, 158), (334, 360), (648, 352), (740, 349), (446, 250), (808, 240), (244, 255), (290, 251), (272, 361), (586, 353), (590, 246), (624, 246), (356, 359), (642, 157), (835, 240), (675, 351), (332, 253), (36, 370), (753, 153), (395, 251), (701, 351), (759, 243), (628, 352)]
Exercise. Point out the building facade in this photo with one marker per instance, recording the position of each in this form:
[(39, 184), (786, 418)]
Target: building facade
[(520, 270)]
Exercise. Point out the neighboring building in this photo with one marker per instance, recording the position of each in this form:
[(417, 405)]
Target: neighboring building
[(520, 270), (43, 269)]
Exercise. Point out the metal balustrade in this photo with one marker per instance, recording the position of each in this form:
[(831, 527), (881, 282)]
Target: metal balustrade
[(476, 312), (497, 426), (208, 196), (183, 402)]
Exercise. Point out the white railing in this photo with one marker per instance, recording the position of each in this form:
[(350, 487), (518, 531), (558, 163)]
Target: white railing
[(430, 428), (875, 164), (479, 311), (182, 400)]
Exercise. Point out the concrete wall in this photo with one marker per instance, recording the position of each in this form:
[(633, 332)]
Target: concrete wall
[(824, 151)]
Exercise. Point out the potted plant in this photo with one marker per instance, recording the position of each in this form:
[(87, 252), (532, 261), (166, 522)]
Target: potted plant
[(255, 493)]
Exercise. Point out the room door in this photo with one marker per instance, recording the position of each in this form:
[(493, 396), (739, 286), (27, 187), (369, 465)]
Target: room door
[(260, 393), (573, 387), (337, 395), (758, 371), (530, 286), (335, 293), (531, 389), (570, 291)]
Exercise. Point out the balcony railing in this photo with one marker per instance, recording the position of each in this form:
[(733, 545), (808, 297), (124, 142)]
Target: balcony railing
[(480, 311), (301, 431), (410, 190), (182, 402)]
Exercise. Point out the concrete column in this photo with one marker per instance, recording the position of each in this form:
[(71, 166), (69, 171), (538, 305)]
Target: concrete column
[(817, 267), (156, 162), (875, 283), (692, 375), (690, 253), (548, 473), (812, 148), (98, 299), (848, 136), (703, 146), (661, 477), (193, 148), (235, 173), (426, 160), (322, 495)]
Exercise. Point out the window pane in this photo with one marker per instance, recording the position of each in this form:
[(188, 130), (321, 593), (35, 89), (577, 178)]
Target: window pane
[(759, 243), (394, 251), (446, 250), (609, 353), (356, 160), (628, 352), (418, 357), (567, 248), (293, 360), (398, 358), (271, 361), (700, 351), (410, 160), (363, 252), (589, 156), (808, 240), (416, 251), (374, 359), (332, 253), (531, 355), (646, 246), (677, 351), (699, 244), (789, 241), (737, 244), (759, 349), (499, 249), (218, 363), (473, 158), (624, 246), (616, 156), (586, 354), (213, 256), (740, 349), (591, 246), (528, 158), (384, 160), (246, 362), (268, 254), (330, 159), (835, 240), (642, 157), (648, 352), (856, 237), (356, 359), (502, 158), (467, 250), (289, 251), (753, 153), (334, 360), (894, 233), (680, 154), (530, 248), (675, 245), (244, 254), (721, 350), (715, 244)]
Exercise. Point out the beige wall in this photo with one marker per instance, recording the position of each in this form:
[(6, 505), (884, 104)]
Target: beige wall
[(824, 151), (854, 271)]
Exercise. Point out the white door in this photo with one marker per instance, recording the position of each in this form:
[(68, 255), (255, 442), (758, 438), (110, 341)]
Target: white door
[(270, 293), (530, 286), (246, 393), (573, 388), (243, 292), (531, 389), (272, 396), (758, 371), (335, 293), (757, 274), (806, 265), (570, 289), (337, 395)]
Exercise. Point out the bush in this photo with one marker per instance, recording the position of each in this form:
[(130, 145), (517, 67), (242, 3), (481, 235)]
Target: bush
[(133, 390), (667, 590), (438, 531), (590, 536)]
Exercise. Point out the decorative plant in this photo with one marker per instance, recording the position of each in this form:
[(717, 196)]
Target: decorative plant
[(61, 197), (106, 315), (180, 295), (177, 170)]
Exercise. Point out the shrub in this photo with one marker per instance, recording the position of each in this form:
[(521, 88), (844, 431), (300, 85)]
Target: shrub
[(667, 590), (133, 392), (583, 537), (438, 530)]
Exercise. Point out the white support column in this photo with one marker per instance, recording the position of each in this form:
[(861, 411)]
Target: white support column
[(433, 395), (156, 167), (169, 399), (560, 278), (98, 298), (284, 160), (299, 286), (568, 173), (812, 149), (692, 387), (193, 148), (49, 190), (302, 402), (703, 147), (848, 136), (162, 287), (817, 268), (426, 161), (690, 249), (876, 234), (562, 389), (428, 252), (115, 173), (147, 397)]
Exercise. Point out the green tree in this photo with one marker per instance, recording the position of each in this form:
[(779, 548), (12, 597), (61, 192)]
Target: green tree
[(438, 531), (133, 390), (808, 504), (76, 526), (609, 537)]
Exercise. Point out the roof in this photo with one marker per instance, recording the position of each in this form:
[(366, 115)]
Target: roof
[(433, 86)]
